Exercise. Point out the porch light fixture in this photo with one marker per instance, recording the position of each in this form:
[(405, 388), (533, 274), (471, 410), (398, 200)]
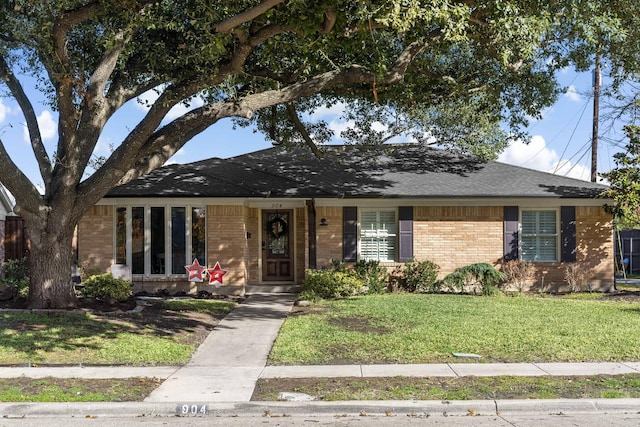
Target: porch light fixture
[(323, 222)]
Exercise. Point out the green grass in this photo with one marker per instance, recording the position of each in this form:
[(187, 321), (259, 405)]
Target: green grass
[(409, 328), (75, 389), (87, 339), (40, 338)]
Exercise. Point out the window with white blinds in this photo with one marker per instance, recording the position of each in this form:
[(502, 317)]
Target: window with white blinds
[(539, 235), (378, 235)]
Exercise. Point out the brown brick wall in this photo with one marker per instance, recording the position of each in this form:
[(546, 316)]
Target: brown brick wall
[(594, 230), (254, 245), (227, 242), (95, 238), (329, 237), (455, 236), (301, 247)]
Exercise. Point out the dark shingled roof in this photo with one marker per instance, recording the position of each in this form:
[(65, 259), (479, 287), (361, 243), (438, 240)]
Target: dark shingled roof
[(393, 171)]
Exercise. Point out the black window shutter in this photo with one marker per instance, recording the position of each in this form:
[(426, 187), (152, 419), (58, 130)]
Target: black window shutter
[(405, 227), (510, 233), (568, 233), (350, 233)]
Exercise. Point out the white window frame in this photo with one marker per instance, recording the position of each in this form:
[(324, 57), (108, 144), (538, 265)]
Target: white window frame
[(556, 235), (167, 233), (395, 235)]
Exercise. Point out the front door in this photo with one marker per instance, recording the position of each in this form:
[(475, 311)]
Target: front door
[(277, 257)]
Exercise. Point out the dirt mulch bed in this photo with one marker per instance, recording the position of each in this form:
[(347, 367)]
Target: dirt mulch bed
[(444, 388)]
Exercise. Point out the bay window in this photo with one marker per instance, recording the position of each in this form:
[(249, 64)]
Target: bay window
[(160, 240)]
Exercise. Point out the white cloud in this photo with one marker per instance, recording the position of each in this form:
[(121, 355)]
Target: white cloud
[(146, 100), (4, 110), (572, 94), (576, 170), (333, 111), (48, 126), (536, 155)]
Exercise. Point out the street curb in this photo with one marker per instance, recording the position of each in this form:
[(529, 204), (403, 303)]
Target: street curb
[(342, 408)]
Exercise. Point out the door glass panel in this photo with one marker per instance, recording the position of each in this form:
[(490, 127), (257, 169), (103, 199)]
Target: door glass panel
[(121, 236), (178, 240), (157, 241), (198, 234), (137, 240), (278, 233)]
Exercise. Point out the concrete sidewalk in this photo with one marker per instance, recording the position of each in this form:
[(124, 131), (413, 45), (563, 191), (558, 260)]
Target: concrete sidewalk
[(334, 371)]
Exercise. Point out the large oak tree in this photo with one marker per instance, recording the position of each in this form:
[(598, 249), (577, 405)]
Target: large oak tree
[(443, 71)]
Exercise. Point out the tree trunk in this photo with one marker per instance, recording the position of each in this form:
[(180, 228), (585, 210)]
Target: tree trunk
[(50, 268)]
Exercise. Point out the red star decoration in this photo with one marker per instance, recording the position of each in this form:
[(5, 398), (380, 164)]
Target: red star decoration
[(215, 274), (195, 271)]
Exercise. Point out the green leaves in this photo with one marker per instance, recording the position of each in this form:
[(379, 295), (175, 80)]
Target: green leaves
[(624, 179)]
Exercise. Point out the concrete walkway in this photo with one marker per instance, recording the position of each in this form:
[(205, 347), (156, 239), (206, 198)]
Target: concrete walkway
[(228, 363)]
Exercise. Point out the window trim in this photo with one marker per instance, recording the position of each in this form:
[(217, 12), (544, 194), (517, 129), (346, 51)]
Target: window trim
[(167, 234), (557, 234), (362, 211)]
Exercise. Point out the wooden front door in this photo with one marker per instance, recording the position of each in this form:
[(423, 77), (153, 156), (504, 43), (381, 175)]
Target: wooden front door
[(277, 247)]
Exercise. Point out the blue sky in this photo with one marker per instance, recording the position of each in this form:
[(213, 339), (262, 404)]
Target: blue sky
[(560, 144)]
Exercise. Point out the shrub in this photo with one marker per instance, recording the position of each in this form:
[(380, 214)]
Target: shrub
[(575, 274), (15, 273), (105, 286), (324, 284), (517, 272), (338, 265), (374, 276), (420, 277), (480, 276)]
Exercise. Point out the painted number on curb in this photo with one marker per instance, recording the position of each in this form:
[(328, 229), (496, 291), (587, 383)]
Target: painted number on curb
[(191, 410)]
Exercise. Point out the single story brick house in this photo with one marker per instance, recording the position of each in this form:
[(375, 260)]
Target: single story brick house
[(269, 215)]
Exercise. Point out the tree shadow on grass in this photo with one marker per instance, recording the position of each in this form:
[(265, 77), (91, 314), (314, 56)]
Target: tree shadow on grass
[(84, 338)]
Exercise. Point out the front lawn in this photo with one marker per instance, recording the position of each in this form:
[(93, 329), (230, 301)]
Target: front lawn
[(164, 333), (418, 328)]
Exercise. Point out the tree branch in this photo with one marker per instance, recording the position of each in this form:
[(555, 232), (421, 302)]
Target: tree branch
[(44, 162), (96, 111), (302, 130), (61, 26), (397, 72), (228, 25), (330, 18), (18, 184)]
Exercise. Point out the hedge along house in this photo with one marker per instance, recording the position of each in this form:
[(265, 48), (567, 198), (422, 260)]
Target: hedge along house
[(268, 216)]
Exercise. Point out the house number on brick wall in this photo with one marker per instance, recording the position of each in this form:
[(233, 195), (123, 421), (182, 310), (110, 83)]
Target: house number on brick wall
[(192, 409)]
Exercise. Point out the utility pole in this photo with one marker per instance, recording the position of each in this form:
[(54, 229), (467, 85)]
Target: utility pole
[(596, 118)]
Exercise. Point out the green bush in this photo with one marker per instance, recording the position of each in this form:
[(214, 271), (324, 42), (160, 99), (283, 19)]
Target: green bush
[(327, 284), (15, 273), (374, 276), (480, 276), (105, 286), (420, 277)]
